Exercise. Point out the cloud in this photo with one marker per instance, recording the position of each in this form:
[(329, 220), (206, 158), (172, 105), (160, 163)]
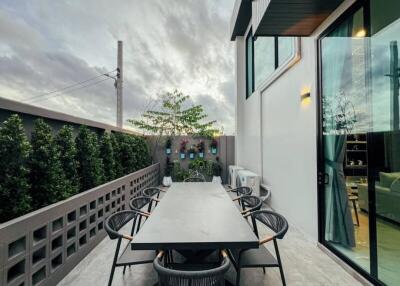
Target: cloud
[(167, 44)]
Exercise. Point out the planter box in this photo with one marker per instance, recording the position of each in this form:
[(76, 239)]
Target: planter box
[(201, 155), (214, 151), (168, 151), (191, 156), (182, 156)]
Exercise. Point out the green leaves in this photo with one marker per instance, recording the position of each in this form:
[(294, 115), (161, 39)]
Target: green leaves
[(52, 167), (174, 119), (90, 168), (108, 157), (47, 177), (14, 153), (68, 152)]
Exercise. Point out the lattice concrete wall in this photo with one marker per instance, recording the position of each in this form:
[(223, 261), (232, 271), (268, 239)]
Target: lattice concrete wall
[(41, 247)]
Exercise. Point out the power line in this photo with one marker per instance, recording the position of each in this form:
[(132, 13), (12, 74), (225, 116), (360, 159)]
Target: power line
[(67, 87), (71, 90)]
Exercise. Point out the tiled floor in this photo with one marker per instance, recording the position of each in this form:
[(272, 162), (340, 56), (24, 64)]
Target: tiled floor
[(304, 264)]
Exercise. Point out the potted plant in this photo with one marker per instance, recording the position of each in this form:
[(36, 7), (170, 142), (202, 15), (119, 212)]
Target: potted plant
[(200, 149), (216, 171), (213, 146), (167, 180), (182, 148), (168, 145), (192, 152)]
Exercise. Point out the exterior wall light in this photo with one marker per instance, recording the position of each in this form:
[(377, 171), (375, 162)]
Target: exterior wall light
[(305, 96)]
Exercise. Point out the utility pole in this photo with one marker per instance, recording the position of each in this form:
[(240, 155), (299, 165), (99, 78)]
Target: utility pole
[(119, 82)]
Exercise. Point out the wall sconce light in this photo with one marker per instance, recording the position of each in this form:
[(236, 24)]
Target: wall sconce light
[(305, 96)]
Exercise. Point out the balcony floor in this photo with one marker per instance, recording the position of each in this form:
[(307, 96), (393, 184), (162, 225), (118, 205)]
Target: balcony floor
[(304, 264)]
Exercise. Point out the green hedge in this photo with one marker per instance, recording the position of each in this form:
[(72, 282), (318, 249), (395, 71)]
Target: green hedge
[(52, 167)]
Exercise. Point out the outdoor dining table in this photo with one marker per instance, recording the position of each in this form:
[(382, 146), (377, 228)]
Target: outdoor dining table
[(195, 216)]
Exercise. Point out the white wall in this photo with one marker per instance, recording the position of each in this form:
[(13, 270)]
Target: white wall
[(277, 134)]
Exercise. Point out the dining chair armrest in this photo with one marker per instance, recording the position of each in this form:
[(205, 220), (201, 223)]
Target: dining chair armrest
[(245, 211), (128, 237), (224, 253), (236, 199), (146, 214), (266, 239), (247, 215), (157, 200), (162, 190), (160, 254)]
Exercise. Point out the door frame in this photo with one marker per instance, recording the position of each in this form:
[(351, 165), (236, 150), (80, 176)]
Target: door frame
[(372, 276)]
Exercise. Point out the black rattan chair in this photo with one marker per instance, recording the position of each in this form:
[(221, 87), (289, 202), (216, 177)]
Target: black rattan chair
[(153, 192), (128, 257), (242, 191), (189, 274), (249, 203), (139, 204), (195, 177), (261, 257)]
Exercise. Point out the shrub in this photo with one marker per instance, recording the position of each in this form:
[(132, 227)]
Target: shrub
[(142, 153), (67, 148), (178, 173), (132, 154), (14, 153), (90, 167), (47, 178), (119, 172), (107, 155)]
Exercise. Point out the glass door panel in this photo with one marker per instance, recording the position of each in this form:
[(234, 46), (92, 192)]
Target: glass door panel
[(346, 121), (384, 42)]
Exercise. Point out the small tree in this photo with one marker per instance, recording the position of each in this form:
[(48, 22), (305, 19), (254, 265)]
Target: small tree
[(14, 153), (174, 119), (90, 168), (107, 154), (67, 148), (47, 178)]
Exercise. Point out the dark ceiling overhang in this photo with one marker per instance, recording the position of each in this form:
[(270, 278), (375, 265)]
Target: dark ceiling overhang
[(294, 17), (240, 18)]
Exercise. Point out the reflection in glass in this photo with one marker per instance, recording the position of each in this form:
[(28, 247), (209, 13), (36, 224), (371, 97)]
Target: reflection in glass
[(264, 59), (345, 121), (385, 38), (285, 49)]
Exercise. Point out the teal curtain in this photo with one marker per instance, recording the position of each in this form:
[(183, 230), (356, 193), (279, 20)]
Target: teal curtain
[(336, 53)]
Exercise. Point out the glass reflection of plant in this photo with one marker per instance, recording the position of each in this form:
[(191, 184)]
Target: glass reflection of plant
[(339, 115)]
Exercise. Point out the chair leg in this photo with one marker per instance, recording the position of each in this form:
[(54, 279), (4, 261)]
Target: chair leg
[(238, 276), (123, 272), (278, 257), (264, 270), (114, 262)]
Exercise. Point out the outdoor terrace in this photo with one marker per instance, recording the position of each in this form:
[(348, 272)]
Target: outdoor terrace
[(304, 264)]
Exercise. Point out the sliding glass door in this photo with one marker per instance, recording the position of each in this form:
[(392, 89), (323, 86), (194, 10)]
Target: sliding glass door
[(360, 139)]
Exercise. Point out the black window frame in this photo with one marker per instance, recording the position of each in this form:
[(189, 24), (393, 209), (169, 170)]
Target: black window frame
[(276, 60), (250, 34)]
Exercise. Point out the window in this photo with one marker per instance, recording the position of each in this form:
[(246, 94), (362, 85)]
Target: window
[(263, 56), (285, 49)]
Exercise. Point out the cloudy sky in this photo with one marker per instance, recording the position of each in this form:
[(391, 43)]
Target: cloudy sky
[(47, 45)]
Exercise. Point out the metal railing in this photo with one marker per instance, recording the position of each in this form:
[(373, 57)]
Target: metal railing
[(41, 247)]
